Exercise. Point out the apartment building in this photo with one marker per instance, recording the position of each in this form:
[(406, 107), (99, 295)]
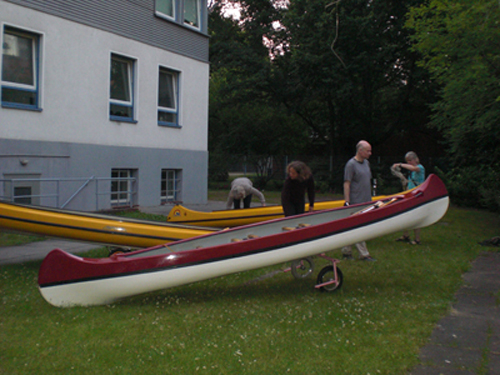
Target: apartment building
[(104, 103)]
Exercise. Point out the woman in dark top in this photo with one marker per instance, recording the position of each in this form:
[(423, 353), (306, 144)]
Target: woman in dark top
[(299, 180)]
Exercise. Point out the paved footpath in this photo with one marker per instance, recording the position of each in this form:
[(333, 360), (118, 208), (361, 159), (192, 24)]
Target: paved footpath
[(38, 250), (468, 340)]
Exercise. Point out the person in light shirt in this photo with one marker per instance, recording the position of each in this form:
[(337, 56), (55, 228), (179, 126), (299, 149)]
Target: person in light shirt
[(415, 178), (242, 189)]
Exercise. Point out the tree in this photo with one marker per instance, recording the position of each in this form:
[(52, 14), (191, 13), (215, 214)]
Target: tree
[(460, 44), (244, 120), (348, 72)]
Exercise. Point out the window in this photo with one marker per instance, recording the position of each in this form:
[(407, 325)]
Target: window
[(168, 97), (22, 188), (170, 185), (121, 91), (20, 51), (186, 12), (166, 7), (192, 13), (22, 194), (121, 187)]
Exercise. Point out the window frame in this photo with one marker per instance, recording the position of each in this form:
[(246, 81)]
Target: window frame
[(116, 187), (175, 111), (165, 15), (179, 14), (176, 179), (36, 46), (198, 14), (131, 64)]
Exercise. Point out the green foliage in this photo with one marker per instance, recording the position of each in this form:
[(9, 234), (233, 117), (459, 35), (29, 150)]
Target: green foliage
[(460, 45), (247, 323), (347, 72), (218, 167), (330, 75), (240, 62), (244, 121), (475, 186)]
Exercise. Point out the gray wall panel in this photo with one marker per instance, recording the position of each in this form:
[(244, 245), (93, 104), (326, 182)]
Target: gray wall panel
[(74, 160), (131, 19)]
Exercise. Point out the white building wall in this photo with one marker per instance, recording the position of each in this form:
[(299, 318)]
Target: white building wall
[(75, 89), (72, 135)]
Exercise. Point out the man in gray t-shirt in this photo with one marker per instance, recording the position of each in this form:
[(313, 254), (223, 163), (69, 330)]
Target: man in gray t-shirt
[(357, 177), (357, 189)]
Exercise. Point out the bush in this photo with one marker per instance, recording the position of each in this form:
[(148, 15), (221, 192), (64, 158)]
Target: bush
[(477, 187), (275, 185)]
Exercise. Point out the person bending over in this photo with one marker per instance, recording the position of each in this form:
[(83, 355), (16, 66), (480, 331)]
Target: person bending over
[(242, 189)]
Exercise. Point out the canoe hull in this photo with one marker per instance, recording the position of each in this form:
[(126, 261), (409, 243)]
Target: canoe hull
[(67, 280), (95, 228)]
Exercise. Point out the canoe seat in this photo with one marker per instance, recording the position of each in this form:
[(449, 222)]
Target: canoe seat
[(369, 208), (249, 237), (301, 225)]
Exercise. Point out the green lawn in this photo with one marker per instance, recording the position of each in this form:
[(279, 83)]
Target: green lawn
[(13, 239), (248, 324)]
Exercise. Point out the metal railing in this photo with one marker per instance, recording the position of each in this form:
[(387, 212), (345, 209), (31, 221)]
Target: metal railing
[(54, 190)]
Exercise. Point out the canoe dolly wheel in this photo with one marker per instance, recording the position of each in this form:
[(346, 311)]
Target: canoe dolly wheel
[(327, 276), (302, 268)]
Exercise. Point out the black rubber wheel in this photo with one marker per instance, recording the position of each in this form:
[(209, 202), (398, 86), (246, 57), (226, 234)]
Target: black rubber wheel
[(302, 268), (327, 274)]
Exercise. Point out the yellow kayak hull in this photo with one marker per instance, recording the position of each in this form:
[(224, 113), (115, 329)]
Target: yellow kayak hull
[(233, 218), (103, 229)]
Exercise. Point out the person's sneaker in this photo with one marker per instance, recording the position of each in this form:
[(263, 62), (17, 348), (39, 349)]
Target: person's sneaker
[(368, 259), (347, 257)]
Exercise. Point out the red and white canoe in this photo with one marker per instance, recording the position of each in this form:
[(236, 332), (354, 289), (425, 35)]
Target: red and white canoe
[(68, 280)]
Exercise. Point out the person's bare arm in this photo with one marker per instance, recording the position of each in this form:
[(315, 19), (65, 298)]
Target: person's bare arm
[(347, 191), (413, 168)]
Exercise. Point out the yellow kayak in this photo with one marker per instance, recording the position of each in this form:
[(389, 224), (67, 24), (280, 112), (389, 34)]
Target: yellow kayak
[(233, 218), (94, 228)]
